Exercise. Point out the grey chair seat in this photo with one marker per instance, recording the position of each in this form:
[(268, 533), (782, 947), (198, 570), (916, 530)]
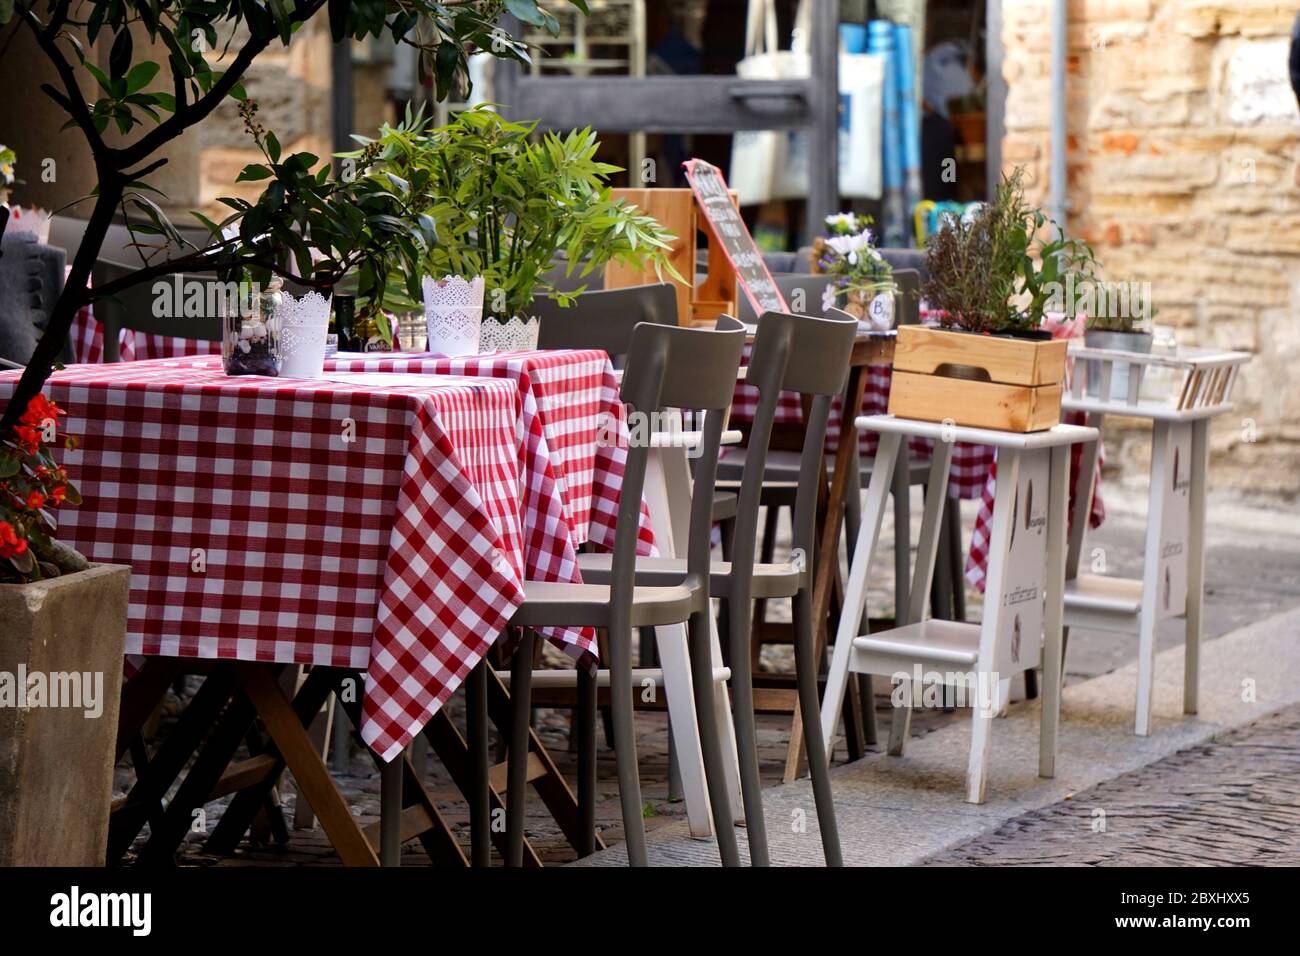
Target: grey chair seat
[(560, 604), (775, 580), (724, 504)]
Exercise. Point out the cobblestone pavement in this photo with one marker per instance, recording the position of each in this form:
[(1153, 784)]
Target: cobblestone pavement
[(1233, 801), (1253, 563)]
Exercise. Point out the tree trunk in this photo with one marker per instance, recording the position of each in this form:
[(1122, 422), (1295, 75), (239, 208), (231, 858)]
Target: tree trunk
[(70, 301)]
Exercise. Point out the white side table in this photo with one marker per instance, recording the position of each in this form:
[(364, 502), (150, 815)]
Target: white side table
[(1026, 564), (1197, 385)]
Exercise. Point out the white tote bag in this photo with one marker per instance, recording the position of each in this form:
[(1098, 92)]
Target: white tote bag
[(756, 153), (862, 78), (861, 88)]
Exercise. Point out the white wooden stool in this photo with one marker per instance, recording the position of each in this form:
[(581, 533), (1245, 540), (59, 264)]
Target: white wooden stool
[(1178, 393), (1026, 565)]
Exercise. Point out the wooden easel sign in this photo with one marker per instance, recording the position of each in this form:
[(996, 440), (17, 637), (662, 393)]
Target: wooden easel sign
[(733, 237)]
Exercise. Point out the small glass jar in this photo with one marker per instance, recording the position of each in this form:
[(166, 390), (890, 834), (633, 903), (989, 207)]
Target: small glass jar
[(251, 324)]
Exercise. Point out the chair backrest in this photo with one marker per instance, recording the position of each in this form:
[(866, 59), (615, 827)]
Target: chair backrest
[(191, 312), (907, 301), (558, 276), (604, 319), (802, 293), (802, 354), (675, 367)]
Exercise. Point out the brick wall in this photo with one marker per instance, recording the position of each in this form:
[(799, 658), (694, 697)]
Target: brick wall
[(1184, 171)]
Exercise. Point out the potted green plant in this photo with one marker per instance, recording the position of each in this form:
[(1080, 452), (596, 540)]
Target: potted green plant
[(862, 281), (508, 208), (991, 273), (1116, 317)]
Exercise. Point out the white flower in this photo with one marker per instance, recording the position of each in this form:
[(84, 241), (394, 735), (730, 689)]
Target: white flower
[(842, 222), (828, 296), (850, 246)]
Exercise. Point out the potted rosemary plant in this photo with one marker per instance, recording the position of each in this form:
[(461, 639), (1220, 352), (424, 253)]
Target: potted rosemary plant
[(990, 274)]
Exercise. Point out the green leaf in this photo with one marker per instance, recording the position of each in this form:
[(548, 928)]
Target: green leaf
[(527, 12), (273, 147), (141, 75), (119, 58)]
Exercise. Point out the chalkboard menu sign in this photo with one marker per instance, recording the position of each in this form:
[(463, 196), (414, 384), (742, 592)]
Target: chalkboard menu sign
[(732, 237)]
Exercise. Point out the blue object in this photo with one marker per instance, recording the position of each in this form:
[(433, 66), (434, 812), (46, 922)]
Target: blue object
[(853, 37), (880, 39), (909, 128)]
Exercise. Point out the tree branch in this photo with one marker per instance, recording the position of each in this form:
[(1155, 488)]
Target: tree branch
[(76, 103), (182, 120)]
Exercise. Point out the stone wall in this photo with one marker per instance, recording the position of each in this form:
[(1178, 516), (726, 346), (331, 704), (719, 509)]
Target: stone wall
[(1184, 171), (292, 88)]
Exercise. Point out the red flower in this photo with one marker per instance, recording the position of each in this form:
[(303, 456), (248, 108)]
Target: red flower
[(10, 544), (36, 501), (58, 492)]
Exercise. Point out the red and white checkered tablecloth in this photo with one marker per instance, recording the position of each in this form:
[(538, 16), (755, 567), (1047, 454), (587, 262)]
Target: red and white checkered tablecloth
[(314, 522), (88, 342), (971, 464), (576, 396)]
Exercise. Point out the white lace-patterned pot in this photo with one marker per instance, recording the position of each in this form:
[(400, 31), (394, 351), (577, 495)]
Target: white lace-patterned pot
[(453, 313), (304, 323), (517, 335)]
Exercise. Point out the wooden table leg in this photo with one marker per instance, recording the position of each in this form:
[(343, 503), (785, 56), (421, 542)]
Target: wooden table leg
[(151, 786), (295, 746), (842, 476), (141, 695)]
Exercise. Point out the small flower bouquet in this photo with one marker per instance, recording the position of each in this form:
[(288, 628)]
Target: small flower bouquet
[(862, 282), (31, 484)]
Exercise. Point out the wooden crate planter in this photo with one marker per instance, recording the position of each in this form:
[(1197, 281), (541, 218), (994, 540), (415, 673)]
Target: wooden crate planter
[(939, 375)]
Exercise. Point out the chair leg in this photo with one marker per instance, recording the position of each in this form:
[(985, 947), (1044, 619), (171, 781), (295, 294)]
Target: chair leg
[(742, 692), (622, 716), (521, 680), (480, 800), (810, 710), (584, 723), (716, 771)]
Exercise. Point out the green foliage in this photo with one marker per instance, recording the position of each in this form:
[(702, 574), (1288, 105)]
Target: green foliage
[(504, 206), (990, 272)]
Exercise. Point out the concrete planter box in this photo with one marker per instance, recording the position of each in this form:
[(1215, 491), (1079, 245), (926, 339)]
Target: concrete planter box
[(61, 643)]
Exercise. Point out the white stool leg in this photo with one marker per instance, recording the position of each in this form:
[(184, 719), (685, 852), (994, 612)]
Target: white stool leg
[(995, 696), (1160, 464), (1195, 564), (1054, 611), (855, 592)]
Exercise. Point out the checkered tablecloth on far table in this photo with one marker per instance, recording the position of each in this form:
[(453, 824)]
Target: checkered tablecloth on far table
[(313, 522), (88, 342)]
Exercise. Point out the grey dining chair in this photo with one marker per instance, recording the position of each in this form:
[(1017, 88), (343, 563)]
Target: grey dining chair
[(603, 319), (133, 307), (668, 367), (808, 356)]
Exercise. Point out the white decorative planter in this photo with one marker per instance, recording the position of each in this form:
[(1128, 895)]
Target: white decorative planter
[(304, 323), (453, 314), (517, 335)]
